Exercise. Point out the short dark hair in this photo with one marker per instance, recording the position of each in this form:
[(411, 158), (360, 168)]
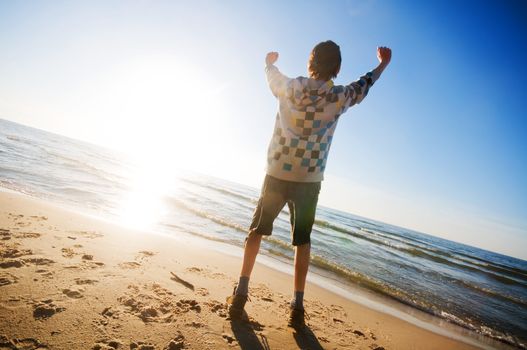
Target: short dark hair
[(324, 61)]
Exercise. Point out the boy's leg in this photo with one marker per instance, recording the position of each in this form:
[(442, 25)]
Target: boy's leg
[(302, 253), (302, 209), (271, 201), (252, 246), (237, 301)]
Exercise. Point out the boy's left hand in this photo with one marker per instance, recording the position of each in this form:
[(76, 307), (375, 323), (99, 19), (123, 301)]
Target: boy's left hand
[(384, 54), (271, 58)]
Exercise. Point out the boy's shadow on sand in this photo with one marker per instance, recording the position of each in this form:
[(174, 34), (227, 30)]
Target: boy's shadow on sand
[(244, 333), (248, 340), (306, 339)]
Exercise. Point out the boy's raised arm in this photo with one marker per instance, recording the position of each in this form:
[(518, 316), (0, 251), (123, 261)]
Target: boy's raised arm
[(356, 91), (276, 80)]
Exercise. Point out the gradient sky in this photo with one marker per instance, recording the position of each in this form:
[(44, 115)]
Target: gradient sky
[(439, 145)]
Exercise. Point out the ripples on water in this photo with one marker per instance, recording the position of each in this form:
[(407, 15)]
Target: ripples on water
[(477, 289)]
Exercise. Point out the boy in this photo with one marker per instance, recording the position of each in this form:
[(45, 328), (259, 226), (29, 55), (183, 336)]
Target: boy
[(309, 109)]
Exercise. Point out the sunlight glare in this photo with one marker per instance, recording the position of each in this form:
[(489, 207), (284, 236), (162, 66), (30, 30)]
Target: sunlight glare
[(143, 206), (167, 111)]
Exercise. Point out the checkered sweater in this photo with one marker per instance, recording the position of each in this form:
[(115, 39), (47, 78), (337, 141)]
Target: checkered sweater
[(308, 113)]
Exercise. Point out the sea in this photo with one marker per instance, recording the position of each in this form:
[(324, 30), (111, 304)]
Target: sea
[(482, 292)]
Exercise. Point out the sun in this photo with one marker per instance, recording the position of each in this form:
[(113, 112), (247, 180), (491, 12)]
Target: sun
[(161, 111)]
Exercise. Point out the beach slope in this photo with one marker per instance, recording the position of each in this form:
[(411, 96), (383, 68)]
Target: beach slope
[(69, 281)]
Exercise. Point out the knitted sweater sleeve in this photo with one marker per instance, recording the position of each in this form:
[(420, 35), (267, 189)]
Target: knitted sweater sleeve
[(355, 92), (276, 80)]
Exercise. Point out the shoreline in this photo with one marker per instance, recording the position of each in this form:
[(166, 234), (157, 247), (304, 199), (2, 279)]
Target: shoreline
[(372, 301), (334, 323)]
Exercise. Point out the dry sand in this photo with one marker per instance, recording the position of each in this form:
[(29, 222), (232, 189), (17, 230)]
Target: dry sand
[(69, 281)]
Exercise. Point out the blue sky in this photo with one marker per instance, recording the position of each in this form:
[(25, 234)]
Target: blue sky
[(438, 145)]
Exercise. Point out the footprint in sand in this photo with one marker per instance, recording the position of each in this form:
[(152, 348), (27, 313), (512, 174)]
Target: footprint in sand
[(68, 253), (229, 338), (45, 309), (45, 273), (5, 234), (139, 345), (86, 264), (7, 278), (109, 312), (129, 265), (7, 263), (177, 343), (82, 281), (376, 347), (195, 324), (93, 264), (38, 261), (202, 291), (12, 252), (22, 223), (146, 253), (194, 269), (39, 218), (87, 234), (107, 344), (71, 293), (207, 272), (218, 308), (27, 235), (11, 263), (186, 305), (154, 303), (22, 343)]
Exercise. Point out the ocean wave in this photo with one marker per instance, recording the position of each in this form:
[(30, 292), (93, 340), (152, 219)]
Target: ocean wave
[(518, 273), (68, 161), (19, 139), (482, 329), (77, 192), (369, 283), (430, 254), (278, 242), (405, 238), (491, 293), (279, 253), (87, 167), (381, 288), (422, 254), (15, 186), (203, 214), (325, 224), (199, 234), (222, 190), (494, 265)]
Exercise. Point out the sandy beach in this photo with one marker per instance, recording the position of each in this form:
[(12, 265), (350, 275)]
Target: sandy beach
[(70, 281)]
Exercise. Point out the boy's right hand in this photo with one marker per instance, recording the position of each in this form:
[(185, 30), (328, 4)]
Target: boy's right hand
[(384, 54), (271, 58)]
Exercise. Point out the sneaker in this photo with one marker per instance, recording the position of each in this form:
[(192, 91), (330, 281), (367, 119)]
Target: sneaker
[(236, 303), (296, 318)]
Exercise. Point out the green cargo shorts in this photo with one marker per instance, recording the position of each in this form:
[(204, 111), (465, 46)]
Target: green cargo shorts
[(301, 197)]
